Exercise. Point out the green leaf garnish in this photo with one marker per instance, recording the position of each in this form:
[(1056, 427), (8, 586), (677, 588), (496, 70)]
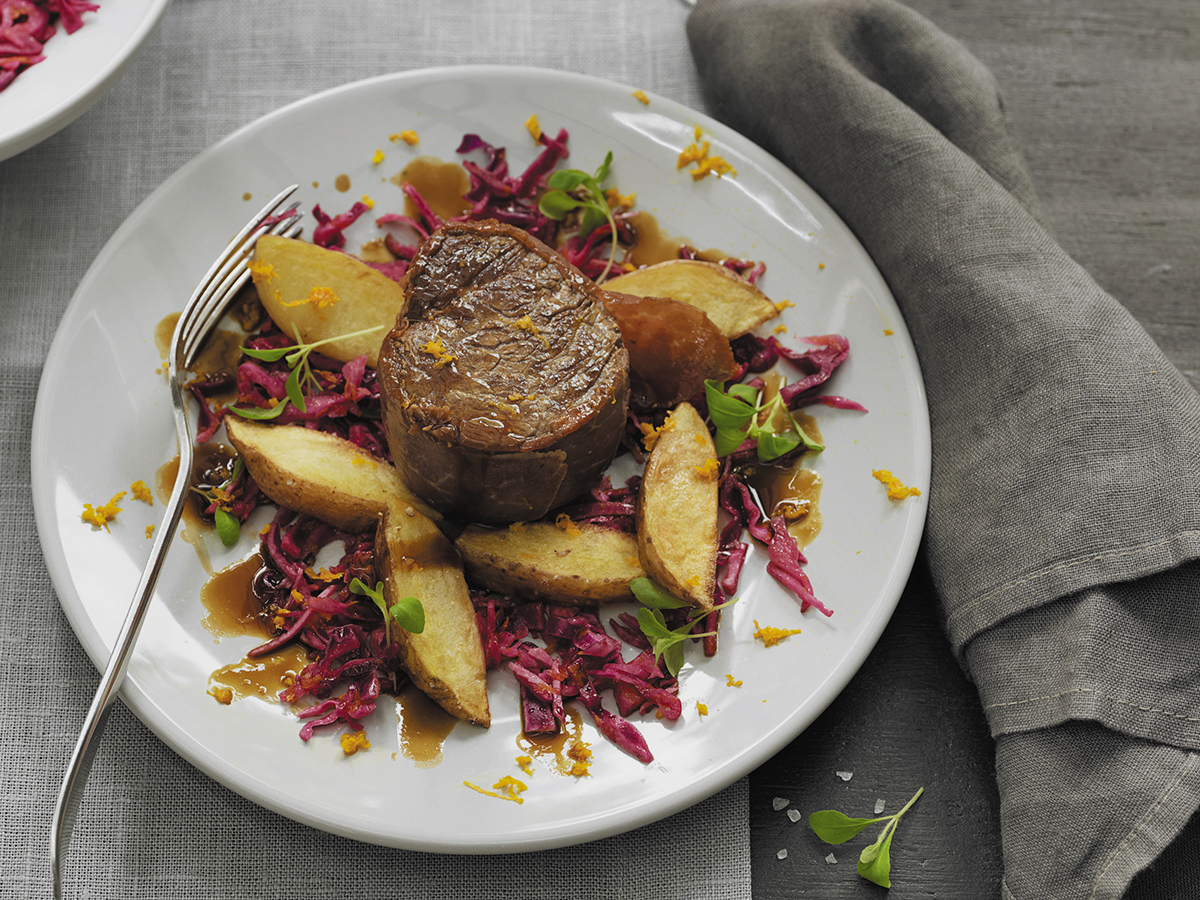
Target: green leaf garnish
[(408, 613), (572, 189), (666, 643), (874, 863), (737, 413), (298, 379), (650, 594), (228, 527)]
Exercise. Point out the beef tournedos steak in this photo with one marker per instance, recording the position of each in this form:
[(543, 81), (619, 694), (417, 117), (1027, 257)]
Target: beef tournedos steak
[(505, 384)]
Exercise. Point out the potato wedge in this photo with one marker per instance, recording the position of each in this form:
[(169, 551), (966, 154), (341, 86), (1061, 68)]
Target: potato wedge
[(677, 509), (733, 303), (323, 294), (414, 559), (540, 561), (318, 473)]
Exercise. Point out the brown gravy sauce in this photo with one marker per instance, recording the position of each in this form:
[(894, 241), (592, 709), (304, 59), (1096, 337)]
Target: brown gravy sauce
[(442, 184), (555, 750), (424, 727)]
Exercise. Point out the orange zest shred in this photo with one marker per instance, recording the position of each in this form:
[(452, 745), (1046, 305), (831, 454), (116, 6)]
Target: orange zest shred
[(149, 532), (730, 681), (567, 524), (140, 492), (702, 709), (582, 756), (260, 271), (640, 97), (354, 741), (697, 153), (619, 201), (437, 349), (649, 435), (772, 636), (896, 489), (708, 471), (378, 157), (221, 693), (408, 136), (526, 764), (507, 788), (534, 127), (100, 516), (318, 298)]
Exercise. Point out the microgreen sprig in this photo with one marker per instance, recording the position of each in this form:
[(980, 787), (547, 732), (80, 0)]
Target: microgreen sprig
[(407, 612), (296, 357), (572, 189), (739, 415), (874, 863), (228, 527), (666, 643)]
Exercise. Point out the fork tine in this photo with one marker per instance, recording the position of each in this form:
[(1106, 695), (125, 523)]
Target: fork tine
[(218, 300), (232, 249), (208, 305), (218, 296)]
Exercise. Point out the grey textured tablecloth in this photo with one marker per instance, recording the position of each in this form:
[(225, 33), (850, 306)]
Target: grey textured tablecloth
[(1064, 508), (151, 826)]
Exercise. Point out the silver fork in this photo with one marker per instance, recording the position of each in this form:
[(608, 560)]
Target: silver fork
[(202, 312)]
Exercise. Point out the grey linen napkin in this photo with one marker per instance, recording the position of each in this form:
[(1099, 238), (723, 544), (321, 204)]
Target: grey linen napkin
[(1064, 507)]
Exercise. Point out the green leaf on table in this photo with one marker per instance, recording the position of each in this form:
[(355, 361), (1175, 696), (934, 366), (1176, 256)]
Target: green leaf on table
[(874, 862), (835, 827)]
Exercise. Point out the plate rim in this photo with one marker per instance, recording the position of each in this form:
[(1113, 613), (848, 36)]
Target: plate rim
[(773, 739)]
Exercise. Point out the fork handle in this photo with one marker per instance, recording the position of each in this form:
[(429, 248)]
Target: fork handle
[(80, 766)]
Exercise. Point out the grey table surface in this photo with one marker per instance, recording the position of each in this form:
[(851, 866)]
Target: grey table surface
[(1106, 99), (1105, 95)]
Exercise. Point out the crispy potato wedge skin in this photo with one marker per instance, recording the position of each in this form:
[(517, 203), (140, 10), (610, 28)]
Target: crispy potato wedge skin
[(318, 473), (414, 559), (733, 303), (677, 509), (365, 298), (540, 561)]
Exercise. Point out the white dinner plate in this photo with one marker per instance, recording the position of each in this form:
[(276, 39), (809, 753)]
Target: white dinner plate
[(78, 69), (103, 421)]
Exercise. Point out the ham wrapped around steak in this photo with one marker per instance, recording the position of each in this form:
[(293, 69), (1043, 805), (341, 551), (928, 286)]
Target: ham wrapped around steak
[(505, 384)]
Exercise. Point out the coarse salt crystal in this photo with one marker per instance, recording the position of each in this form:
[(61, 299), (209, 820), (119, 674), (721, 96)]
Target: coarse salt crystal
[(782, 854), (779, 803), (831, 859), (794, 815), (879, 805), (845, 776)]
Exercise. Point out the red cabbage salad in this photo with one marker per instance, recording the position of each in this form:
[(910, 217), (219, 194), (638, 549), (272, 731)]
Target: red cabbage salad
[(26, 25), (557, 654)]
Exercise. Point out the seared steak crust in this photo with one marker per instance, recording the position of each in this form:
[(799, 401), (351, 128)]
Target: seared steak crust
[(506, 383)]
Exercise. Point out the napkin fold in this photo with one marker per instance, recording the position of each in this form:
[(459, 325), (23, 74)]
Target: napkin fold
[(1064, 507)]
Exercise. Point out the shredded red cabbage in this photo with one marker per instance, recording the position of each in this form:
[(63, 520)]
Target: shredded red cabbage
[(26, 25), (559, 654)]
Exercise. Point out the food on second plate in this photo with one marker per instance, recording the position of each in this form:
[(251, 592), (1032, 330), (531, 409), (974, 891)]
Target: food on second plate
[(316, 294), (505, 384), (445, 660), (677, 509), (557, 562), (26, 25)]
